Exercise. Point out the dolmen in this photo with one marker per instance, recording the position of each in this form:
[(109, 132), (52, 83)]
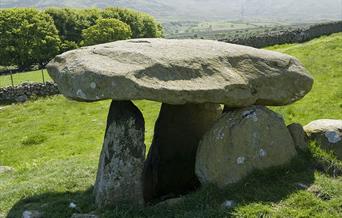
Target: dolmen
[(213, 126)]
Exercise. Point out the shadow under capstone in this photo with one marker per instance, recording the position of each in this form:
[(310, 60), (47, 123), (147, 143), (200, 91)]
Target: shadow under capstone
[(170, 166), (124, 175)]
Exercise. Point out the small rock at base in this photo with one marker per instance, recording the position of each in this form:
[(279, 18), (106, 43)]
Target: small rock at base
[(301, 185), (298, 135), (85, 215), (170, 202), (228, 204), (21, 99), (32, 214)]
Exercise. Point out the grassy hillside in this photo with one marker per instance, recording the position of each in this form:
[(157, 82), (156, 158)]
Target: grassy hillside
[(290, 10), (323, 59), (53, 144)]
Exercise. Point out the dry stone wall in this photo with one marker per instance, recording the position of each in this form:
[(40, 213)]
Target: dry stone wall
[(288, 36), (25, 91)]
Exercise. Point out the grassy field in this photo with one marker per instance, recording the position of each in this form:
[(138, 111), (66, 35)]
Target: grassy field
[(18, 78), (53, 144)]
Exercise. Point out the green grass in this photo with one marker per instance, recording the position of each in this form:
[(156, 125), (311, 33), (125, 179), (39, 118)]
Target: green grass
[(54, 144), (18, 78), (323, 59)]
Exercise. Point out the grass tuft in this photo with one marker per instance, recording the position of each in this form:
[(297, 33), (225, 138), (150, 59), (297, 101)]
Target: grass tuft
[(33, 139)]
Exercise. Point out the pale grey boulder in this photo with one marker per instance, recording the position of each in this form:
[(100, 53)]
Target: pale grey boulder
[(241, 141), (119, 177), (32, 214), (180, 71), (327, 133)]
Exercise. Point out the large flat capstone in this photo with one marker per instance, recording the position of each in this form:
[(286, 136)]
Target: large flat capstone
[(179, 72)]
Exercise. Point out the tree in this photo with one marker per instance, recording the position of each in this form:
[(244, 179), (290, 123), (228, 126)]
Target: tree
[(71, 22), (106, 30), (142, 24), (27, 37), (151, 28)]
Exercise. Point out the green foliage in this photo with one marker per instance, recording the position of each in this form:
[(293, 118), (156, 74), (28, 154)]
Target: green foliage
[(27, 37), (67, 45), (33, 139), (71, 22), (30, 36), (106, 30), (326, 160), (142, 24), (322, 57)]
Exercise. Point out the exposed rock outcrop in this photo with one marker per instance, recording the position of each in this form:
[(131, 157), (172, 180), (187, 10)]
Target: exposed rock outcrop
[(299, 136)]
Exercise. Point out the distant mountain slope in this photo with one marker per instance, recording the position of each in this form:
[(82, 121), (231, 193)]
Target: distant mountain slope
[(289, 10)]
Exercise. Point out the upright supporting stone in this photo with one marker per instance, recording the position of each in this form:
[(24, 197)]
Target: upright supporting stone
[(169, 168), (119, 177)]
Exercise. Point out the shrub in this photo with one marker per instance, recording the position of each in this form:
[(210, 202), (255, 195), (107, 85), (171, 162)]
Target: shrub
[(33, 139), (27, 37), (106, 30), (71, 22), (142, 24)]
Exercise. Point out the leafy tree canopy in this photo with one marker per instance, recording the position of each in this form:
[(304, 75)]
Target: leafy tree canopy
[(27, 37), (106, 30)]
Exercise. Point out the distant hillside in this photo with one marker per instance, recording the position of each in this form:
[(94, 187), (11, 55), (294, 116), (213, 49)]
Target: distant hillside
[(166, 10)]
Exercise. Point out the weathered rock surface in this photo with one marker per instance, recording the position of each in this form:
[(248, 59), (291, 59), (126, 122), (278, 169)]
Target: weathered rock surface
[(32, 214), (170, 165), (26, 91), (85, 215), (119, 177), (171, 202), (180, 71), (298, 135), (239, 142), (327, 133)]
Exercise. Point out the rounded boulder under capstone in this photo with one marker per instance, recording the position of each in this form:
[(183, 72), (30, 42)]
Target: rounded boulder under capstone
[(241, 141), (180, 71)]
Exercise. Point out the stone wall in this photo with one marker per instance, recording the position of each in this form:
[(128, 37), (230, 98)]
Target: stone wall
[(288, 36), (25, 91)]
